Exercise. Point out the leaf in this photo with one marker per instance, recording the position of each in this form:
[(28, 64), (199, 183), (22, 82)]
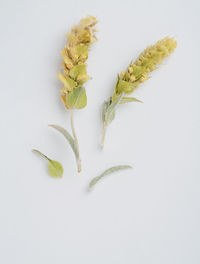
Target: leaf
[(67, 60), (78, 70), (79, 73), (107, 172), (55, 167), (77, 98), (110, 111), (104, 109), (69, 138), (125, 87), (79, 52), (125, 100), (69, 84)]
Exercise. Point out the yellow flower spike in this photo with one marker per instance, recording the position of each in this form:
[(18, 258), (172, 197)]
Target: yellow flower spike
[(75, 54), (138, 72), (74, 74)]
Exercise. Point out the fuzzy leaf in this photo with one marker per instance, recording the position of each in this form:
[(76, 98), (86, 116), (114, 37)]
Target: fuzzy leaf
[(77, 98), (79, 52), (104, 109), (111, 109), (69, 138), (107, 172), (125, 100), (69, 84), (67, 60), (125, 87), (55, 167), (78, 71)]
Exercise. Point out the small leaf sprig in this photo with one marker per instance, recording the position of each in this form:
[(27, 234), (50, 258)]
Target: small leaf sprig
[(138, 72), (74, 75), (55, 167)]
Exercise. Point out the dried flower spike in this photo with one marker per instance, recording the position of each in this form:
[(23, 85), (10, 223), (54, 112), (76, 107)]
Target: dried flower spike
[(74, 55), (74, 74), (135, 74)]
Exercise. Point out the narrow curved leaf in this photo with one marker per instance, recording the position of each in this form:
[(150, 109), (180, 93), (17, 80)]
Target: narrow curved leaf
[(55, 167), (107, 172), (69, 138), (125, 100)]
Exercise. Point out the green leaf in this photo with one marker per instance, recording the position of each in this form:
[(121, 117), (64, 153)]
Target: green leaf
[(78, 70), (69, 84), (107, 172), (69, 138), (125, 87), (55, 167), (125, 100), (79, 52), (104, 109), (77, 98), (111, 109)]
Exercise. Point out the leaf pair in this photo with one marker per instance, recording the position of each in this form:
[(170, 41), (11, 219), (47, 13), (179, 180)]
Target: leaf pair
[(56, 169)]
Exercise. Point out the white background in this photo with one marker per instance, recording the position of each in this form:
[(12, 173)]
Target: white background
[(150, 214)]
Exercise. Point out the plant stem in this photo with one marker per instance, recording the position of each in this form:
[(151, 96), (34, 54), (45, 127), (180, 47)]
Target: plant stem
[(41, 154), (78, 160), (103, 134)]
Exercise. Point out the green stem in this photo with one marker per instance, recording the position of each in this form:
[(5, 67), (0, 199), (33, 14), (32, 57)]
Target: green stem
[(78, 160)]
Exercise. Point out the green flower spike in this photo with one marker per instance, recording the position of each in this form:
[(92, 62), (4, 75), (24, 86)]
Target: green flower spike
[(135, 74), (74, 75)]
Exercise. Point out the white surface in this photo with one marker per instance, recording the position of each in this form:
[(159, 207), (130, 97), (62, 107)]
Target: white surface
[(148, 215)]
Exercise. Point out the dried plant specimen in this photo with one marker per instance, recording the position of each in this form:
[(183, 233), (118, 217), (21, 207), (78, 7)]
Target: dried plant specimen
[(138, 72), (74, 75)]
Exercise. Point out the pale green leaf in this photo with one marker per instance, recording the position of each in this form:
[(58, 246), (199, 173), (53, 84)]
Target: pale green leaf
[(111, 109), (79, 73), (125, 100), (69, 138), (104, 109), (78, 70), (79, 52), (77, 98), (107, 172), (125, 87), (69, 84), (55, 167)]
